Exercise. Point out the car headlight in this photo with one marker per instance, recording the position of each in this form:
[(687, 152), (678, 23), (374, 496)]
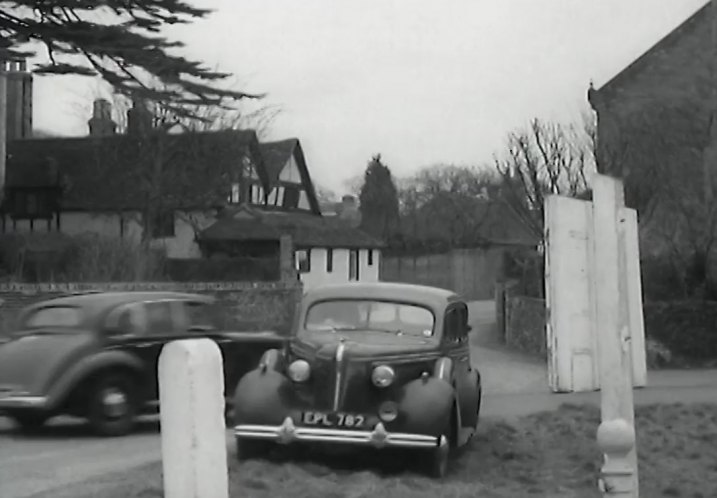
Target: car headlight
[(383, 376), (299, 371)]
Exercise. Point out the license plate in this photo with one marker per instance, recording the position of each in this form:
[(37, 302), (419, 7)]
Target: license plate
[(345, 420)]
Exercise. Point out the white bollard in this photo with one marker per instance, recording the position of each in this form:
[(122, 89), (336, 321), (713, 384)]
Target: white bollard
[(191, 397)]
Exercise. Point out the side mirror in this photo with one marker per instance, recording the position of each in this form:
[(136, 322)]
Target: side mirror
[(468, 329)]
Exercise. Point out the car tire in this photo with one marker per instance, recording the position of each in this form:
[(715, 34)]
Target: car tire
[(30, 422), (112, 405), (248, 449)]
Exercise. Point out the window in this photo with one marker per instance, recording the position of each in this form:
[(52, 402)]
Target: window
[(456, 323), (353, 265), (163, 224), (235, 194), (257, 194), (195, 316), (363, 316), (329, 260), (54, 316), (370, 257), (159, 318), (303, 260), (291, 198)]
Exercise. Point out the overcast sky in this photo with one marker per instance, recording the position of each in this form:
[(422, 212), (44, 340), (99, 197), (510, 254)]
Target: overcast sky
[(419, 81)]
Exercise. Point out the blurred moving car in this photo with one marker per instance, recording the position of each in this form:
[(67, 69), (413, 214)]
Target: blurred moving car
[(95, 355), (371, 364)]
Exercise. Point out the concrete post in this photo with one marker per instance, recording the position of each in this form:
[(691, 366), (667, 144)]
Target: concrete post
[(616, 432), (191, 396), (286, 259)]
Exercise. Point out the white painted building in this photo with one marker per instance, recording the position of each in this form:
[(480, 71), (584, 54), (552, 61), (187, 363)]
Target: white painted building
[(321, 265), (326, 250)]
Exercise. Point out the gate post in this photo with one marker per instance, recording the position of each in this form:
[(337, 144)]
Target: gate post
[(193, 428), (616, 433)]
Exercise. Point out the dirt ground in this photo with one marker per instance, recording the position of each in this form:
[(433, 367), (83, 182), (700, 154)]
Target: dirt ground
[(550, 454)]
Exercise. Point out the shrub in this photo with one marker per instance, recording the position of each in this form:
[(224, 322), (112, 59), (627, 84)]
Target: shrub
[(54, 256), (688, 329)]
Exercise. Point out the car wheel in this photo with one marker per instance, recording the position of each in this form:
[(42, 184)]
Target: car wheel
[(112, 405), (438, 464), (251, 448), (30, 422)]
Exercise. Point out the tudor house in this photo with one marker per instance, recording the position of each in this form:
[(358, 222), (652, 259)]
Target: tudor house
[(222, 193)]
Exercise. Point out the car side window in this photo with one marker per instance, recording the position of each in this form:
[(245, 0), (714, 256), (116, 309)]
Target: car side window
[(132, 321), (195, 317), (159, 318), (456, 323)]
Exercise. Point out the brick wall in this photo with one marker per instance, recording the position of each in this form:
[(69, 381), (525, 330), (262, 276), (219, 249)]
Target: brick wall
[(245, 305)]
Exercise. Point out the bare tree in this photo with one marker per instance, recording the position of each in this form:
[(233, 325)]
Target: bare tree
[(446, 204), (546, 158)]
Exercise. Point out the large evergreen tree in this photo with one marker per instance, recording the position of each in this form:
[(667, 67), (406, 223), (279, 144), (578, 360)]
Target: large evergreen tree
[(379, 201), (120, 41)]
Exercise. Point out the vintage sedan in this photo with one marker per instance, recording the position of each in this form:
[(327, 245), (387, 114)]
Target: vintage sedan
[(381, 365), (95, 355)]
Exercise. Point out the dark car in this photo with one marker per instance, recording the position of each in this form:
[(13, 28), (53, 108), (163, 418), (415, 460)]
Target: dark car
[(373, 364), (96, 355)]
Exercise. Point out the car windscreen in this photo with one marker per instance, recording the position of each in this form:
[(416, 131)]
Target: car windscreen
[(54, 317), (370, 315)]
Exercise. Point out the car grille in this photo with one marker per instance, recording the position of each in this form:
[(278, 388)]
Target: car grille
[(323, 381)]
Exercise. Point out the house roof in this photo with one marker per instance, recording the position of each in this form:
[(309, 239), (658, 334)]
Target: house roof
[(306, 230), (643, 61), (103, 173), (277, 154)]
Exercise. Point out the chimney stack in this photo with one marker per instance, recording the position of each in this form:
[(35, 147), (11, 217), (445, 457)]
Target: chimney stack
[(101, 123), (139, 118), (349, 210), (19, 99)]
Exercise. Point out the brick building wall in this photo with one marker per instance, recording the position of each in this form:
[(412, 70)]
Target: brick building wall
[(656, 108), (245, 305)]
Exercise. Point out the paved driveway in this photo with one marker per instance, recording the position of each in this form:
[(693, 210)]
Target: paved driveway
[(503, 371)]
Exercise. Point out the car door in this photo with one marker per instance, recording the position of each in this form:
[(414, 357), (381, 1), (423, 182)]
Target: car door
[(456, 346)]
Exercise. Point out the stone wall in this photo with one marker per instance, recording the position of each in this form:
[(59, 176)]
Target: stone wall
[(245, 305), (525, 319)]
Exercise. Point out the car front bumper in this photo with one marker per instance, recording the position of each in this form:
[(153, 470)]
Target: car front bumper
[(23, 402), (377, 437)]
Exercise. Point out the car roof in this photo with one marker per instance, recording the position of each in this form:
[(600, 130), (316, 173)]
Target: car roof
[(96, 302), (423, 294)]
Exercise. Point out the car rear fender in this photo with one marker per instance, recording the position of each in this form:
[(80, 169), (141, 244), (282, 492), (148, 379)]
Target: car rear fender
[(85, 368)]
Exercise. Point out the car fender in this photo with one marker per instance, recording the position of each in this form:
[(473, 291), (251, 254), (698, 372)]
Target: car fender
[(260, 397), (86, 367), (271, 359), (443, 369), (426, 405)]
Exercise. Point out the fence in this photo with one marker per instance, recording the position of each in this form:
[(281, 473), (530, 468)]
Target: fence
[(470, 272)]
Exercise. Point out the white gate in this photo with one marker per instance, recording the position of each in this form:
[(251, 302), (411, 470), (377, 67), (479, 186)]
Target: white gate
[(572, 325)]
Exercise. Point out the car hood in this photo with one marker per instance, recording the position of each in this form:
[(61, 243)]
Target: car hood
[(28, 362), (360, 344)]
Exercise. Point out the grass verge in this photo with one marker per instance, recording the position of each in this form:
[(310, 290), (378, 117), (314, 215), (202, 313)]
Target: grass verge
[(551, 454)]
